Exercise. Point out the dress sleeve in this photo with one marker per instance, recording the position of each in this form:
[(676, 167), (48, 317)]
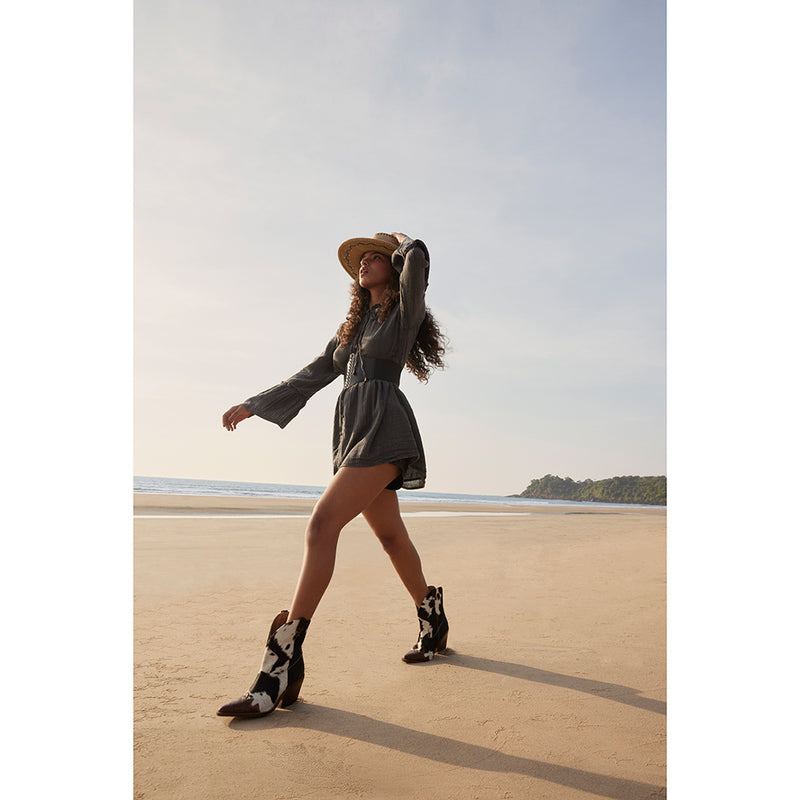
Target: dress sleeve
[(282, 403), (413, 263)]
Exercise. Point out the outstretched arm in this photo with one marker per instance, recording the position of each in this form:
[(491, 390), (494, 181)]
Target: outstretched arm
[(283, 402)]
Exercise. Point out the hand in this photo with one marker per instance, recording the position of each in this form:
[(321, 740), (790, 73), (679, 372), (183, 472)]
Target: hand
[(401, 237), (233, 416)]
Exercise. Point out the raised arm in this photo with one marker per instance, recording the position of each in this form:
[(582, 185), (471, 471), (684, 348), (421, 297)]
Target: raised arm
[(412, 262)]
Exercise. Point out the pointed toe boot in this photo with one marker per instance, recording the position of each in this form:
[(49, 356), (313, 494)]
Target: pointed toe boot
[(282, 672), (433, 628)]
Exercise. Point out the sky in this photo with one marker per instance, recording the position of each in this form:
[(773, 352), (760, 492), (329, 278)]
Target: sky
[(524, 142)]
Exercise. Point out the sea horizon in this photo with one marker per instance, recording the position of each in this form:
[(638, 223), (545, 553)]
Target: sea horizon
[(201, 487)]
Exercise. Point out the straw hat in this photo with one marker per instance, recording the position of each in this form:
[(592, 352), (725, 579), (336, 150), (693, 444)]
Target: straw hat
[(350, 252)]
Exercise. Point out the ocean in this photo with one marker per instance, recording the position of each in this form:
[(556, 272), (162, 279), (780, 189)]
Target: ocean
[(205, 488)]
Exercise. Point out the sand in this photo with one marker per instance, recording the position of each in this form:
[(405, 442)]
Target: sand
[(555, 685)]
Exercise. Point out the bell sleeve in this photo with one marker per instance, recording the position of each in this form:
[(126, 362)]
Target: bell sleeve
[(283, 402), (412, 262)]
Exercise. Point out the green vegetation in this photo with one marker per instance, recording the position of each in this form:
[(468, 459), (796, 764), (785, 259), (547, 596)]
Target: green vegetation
[(650, 491)]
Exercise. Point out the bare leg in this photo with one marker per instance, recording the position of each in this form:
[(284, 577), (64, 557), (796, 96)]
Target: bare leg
[(383, 516), (348, 494)]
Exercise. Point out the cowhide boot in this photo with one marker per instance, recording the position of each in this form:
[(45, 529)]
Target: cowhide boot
[(282, 671), (433, 628)]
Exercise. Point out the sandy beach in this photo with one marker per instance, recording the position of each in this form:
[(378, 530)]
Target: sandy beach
[(554, 687)]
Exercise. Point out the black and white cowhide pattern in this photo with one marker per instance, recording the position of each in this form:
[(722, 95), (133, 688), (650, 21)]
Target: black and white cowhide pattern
[(281, 666), (433, 626)]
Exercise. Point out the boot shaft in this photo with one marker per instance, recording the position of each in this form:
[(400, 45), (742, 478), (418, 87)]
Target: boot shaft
[(285, 645)]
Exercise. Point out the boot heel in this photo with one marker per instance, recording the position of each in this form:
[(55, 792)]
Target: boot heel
[(291, 694), (442, 646)]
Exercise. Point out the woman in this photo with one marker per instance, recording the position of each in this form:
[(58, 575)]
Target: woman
[(377, 449)]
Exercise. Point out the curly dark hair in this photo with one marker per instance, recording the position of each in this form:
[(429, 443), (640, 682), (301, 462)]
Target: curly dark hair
[(430, 345)]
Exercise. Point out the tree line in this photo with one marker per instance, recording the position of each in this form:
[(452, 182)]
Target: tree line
[(650, 490)]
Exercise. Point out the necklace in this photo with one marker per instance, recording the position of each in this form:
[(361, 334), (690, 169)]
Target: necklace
[(356, 357)]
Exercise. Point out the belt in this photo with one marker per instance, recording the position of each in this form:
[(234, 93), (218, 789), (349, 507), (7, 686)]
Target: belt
[(371, 369)]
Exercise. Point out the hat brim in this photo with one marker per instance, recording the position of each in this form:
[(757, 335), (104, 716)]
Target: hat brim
[(350, 252)]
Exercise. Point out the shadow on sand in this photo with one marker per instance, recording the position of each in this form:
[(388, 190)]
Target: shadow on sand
[(441, 749), (609, 691)]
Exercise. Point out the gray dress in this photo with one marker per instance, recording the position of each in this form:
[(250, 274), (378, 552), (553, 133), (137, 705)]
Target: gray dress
[(374, 423)]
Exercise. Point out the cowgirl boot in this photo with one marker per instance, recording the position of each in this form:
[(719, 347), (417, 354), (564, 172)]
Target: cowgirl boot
[(433, 628), (282, 671)]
